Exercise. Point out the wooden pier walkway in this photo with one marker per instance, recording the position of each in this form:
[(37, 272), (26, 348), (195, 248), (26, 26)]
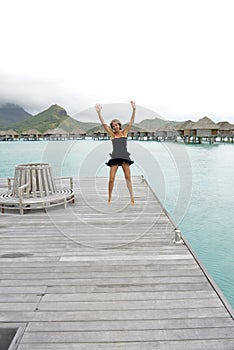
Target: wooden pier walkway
[(97, 276)]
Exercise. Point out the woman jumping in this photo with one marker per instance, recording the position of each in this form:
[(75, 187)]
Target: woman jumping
[(120, 155)]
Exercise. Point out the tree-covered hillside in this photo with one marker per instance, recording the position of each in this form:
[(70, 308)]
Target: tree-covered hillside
[(11, 113), (53, 117)]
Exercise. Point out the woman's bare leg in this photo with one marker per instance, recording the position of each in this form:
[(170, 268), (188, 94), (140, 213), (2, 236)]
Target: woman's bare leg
[(113, 170), (127, 174)]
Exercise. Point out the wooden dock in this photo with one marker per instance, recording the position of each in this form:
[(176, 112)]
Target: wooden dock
[(98, 276)]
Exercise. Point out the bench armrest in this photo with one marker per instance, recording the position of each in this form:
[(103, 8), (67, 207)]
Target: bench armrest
[(21, 196), (20, 189), (66, 178)]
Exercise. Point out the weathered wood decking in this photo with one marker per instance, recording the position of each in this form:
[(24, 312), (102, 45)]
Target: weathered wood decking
[(94, 276)]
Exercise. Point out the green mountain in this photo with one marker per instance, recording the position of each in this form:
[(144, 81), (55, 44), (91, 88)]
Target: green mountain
[(53, 117), (10, 114), (48, 119), (70, 124)]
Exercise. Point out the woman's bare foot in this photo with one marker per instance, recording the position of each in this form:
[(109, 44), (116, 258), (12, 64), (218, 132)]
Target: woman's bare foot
[(132, 201), (109, 200)]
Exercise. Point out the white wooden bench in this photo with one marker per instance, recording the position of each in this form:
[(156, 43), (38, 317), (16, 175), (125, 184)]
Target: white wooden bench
[(35, 187)]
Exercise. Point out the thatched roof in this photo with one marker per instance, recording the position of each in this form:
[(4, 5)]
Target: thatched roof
[(179, 124), (187, 125), (11, 132), (167, 127), (205, 123), (2, 132), (225, 126), (31, 132)]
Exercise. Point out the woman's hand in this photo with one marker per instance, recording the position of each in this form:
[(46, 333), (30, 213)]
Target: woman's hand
[(133, 104), (98, 107)]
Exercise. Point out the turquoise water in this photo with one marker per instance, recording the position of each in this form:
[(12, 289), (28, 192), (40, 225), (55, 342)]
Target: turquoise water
[(195, 183)]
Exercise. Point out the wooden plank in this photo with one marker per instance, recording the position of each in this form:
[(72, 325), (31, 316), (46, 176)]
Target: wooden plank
[(18, 306), (126, 296), (159, 345), (109, 315), (19, 298), (127, 305), (102, 281), (99, 274), (107, 288), (116, 288), (128, 325), (128, 336)]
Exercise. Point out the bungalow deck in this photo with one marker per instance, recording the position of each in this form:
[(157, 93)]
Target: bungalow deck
[(98, 276)]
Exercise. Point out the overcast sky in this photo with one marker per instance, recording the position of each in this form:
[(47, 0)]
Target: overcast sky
[(174, 57)]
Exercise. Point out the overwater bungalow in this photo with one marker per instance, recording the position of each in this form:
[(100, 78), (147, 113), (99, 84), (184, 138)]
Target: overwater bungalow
[(168, 132), (31, 135), (138, 133), (197, 132), (10, 135), (226, 131), (186, 131), (98, 133), (205, 130), (77, 133), (56, 134)]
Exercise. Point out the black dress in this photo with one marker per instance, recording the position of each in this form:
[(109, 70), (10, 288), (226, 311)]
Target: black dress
[(120, 154)]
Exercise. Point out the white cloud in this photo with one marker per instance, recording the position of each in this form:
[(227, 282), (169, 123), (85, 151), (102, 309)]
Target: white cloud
[(174, 57)]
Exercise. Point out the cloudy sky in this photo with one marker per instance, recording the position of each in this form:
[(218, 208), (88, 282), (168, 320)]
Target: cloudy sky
[(174, 57)]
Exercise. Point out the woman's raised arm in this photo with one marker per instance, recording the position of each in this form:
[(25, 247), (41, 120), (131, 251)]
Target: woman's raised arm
[(128, 127), (98, 108)]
